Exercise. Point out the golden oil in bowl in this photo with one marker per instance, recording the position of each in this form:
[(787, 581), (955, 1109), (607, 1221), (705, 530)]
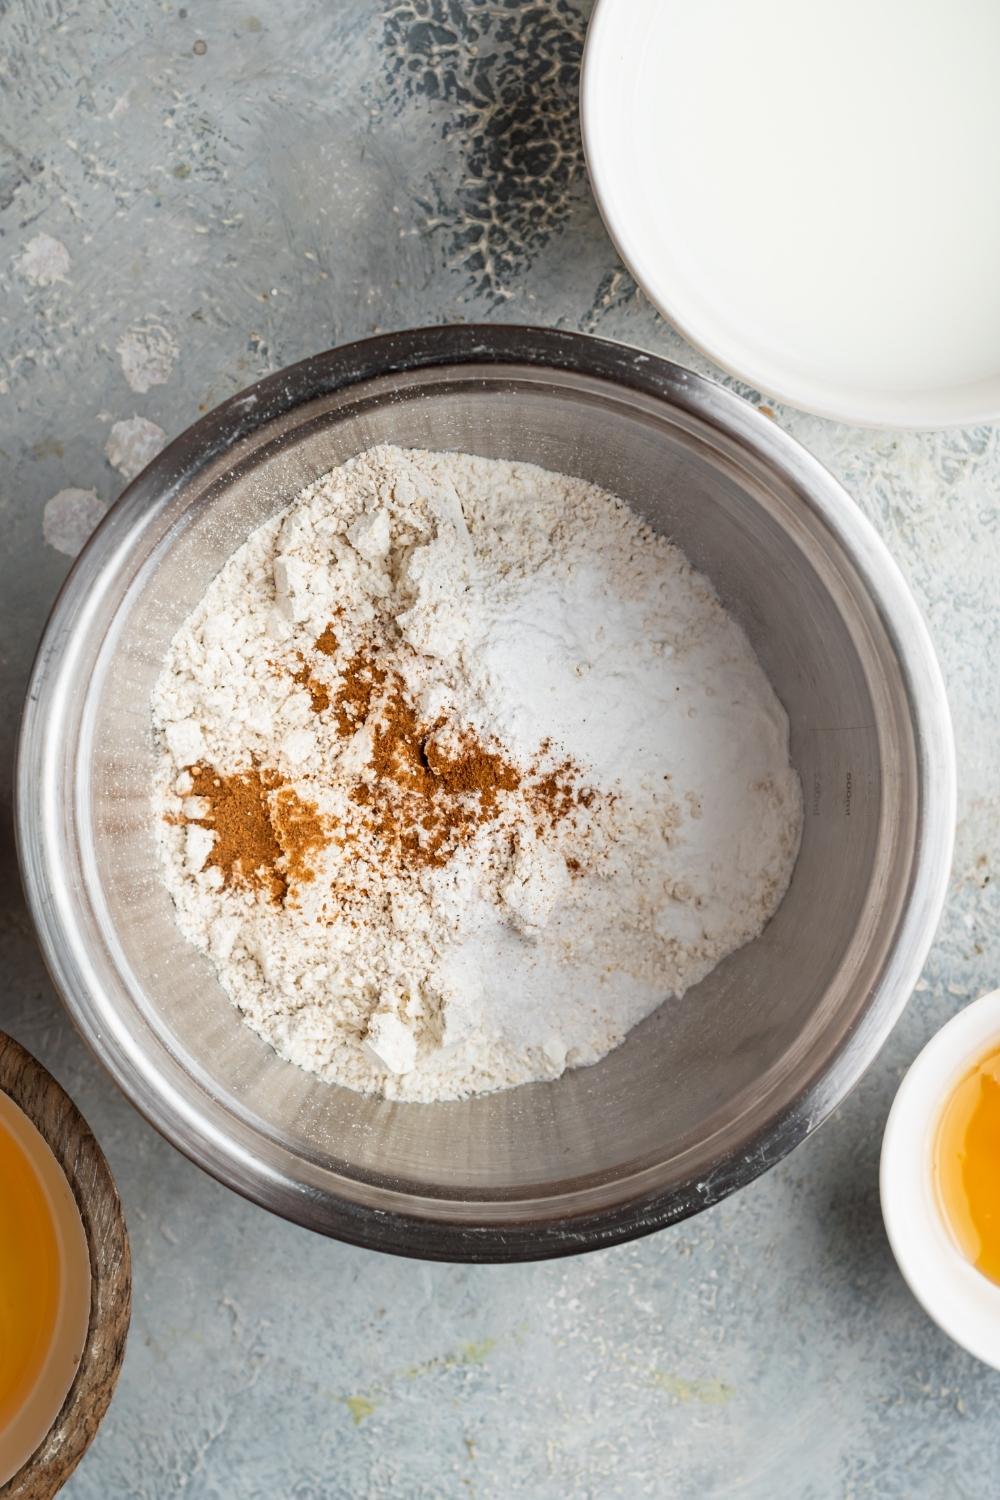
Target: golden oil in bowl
[(967, 1163), (44, 1288)]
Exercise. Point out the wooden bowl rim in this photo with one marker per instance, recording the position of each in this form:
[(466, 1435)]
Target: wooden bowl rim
[(50, 1109)]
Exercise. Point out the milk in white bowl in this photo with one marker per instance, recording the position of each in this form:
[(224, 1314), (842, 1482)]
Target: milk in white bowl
[(812, 192)]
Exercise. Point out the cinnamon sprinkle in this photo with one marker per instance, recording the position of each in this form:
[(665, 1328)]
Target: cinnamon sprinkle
[(474, 770), (426, 795), (300, 830), (264, 832), (429, 793), (554, 796), (362, 680), (319, 693), (327, 643)]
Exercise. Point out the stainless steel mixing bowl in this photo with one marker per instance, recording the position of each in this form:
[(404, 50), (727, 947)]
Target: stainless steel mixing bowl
[(703, 1095)]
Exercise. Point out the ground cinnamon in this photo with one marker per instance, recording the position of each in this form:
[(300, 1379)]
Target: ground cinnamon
[(426, 794), (473, 770), (264, 832), (319, 693), (362, 680), (300, 830), (554, 794), (430, 792), (327, 643)]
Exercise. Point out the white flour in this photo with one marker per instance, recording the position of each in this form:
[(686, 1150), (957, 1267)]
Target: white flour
[(449, 617)]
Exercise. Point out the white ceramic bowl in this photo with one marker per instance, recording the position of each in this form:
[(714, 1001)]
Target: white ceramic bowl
[(960, 1299), (804, 200)]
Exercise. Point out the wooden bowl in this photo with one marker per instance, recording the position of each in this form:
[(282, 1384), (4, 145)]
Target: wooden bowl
[(69, 1138)]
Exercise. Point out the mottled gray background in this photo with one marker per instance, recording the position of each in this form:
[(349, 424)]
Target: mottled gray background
[(189, 198)]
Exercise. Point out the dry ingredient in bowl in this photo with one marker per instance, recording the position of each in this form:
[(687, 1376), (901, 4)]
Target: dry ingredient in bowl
[(463, 771)]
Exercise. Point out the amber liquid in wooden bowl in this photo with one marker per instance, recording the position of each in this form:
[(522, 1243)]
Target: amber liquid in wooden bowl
[(44, 1288)]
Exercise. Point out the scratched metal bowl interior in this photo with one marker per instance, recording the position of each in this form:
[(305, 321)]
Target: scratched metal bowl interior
[(709, 1090)]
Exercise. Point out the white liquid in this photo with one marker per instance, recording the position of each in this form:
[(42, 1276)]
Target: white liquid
[(819, 182)]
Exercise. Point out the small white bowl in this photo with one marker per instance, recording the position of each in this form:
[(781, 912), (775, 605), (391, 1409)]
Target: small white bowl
[(960, 1299), (805, 201)]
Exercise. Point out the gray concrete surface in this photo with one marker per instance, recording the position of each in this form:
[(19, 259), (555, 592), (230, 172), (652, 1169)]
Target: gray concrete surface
[(232, 185)]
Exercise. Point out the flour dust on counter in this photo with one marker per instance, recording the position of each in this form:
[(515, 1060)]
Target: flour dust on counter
[(462, 772)]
